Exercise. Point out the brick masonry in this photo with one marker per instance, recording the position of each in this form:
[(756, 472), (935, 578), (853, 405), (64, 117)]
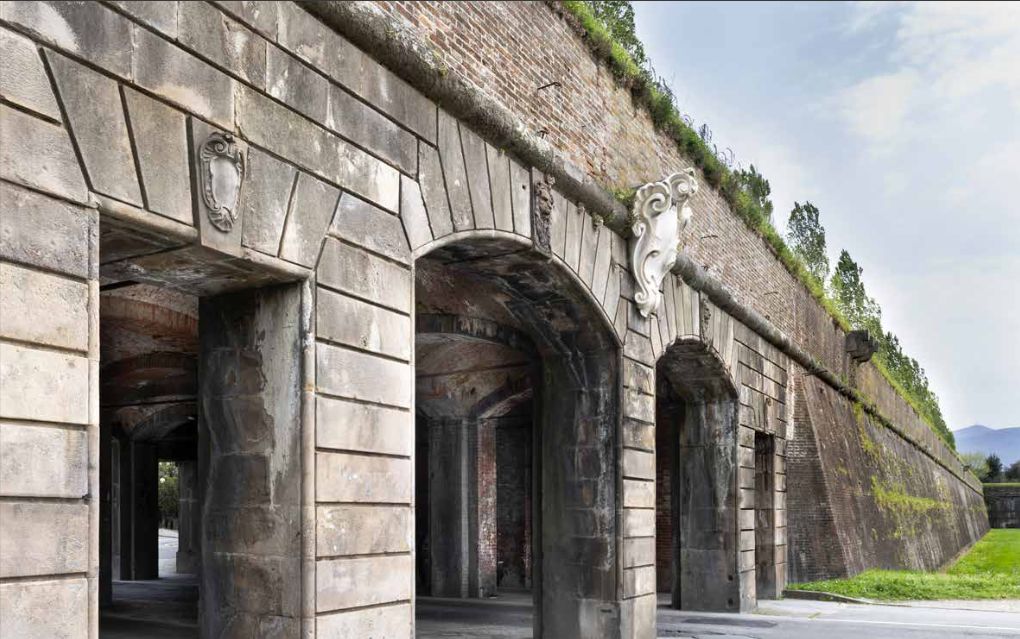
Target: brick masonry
[(352, 175), (1003, 503)]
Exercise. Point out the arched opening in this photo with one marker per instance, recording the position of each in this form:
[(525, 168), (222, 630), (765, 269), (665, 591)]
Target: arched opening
[(699, 517), (516, 415), (199, 375)]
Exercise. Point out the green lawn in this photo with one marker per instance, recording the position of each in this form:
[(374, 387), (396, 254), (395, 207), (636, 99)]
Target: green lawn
[(990, 570)]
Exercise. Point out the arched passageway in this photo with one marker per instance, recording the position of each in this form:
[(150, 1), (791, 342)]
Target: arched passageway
[(517, 407), (714, 478)]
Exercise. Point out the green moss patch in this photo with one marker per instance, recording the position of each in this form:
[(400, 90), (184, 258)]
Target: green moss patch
[(990, 570)]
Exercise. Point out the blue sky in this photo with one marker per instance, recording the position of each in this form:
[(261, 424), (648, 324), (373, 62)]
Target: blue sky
[(901, 122)]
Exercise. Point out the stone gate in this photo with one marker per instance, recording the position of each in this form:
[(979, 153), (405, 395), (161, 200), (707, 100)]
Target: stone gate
[(395, 350)]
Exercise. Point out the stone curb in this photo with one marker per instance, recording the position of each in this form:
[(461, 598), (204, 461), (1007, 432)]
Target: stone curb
[(815, 595)]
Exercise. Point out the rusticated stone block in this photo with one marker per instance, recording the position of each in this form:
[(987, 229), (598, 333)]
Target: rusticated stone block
[(261, 16), (354, 271), (161, 141), (369, 623), (86, 29), (312, 207), (161, 16), (359, 222), (23, 79), (355, 323), (347, 425), (42, 308), (362, 581), (499, 183), (360, 478), (43, 385), (43, 538), (638, 551), (433, 190), (638, 464), (639, 581), (296, 85), (43, 231), (224, 41), (42, 461), (362, 530), (478, 178), (51, 609), (264, 201), (638, 494), (183, 79), (39, 154), (366, 127), (413, 214), (638, 522), (454, 173)]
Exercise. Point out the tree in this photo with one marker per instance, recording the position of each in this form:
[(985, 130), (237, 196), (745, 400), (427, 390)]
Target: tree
[(848, 292), (806, 236), (994, 468), (618, 17), (758, 188), (975, 462), (1013, 472)]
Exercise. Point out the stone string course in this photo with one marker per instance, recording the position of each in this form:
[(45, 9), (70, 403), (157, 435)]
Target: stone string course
[(352, 174)]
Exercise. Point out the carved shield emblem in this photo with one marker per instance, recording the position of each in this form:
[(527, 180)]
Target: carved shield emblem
[(656, 234), (221, 165)]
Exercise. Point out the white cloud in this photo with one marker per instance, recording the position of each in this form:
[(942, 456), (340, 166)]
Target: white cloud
[(947, 61)]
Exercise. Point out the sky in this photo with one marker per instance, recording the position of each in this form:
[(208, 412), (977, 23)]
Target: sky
[(901, 123)]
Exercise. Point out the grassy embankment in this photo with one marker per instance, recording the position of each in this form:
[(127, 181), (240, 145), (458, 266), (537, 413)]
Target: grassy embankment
[(990, 570)]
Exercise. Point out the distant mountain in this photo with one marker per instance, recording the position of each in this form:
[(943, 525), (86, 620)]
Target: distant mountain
[(1004, 442)]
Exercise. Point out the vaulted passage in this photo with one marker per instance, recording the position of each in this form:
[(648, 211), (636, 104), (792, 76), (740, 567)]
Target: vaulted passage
[(199, 378), (516, 413), (697, 534)]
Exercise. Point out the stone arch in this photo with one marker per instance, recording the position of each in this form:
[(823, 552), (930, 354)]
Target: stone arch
[(696, 425), (495, 286)]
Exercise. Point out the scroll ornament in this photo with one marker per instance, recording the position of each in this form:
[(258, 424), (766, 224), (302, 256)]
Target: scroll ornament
[(661, 211), (221, 170)]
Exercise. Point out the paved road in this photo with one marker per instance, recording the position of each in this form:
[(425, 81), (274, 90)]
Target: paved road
[(788, 619), (165, 609)]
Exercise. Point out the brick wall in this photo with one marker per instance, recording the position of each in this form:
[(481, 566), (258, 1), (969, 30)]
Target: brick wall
[(595, 124), (1003, 502)]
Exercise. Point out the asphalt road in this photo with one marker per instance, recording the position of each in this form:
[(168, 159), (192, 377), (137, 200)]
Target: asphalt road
[(788, 619)]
